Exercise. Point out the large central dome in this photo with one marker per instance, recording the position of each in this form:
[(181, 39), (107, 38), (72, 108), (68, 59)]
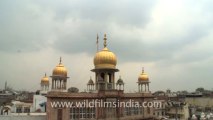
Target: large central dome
[(105, 59)]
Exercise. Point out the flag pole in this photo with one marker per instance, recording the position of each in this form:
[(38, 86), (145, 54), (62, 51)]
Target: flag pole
[(97, 43)]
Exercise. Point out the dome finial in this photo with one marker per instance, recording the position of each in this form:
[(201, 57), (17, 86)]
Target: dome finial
[(97, 42), (60, 60), (45, 75), (105, 39), (142, 69)]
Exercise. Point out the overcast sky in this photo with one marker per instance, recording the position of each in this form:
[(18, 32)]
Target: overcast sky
[(172, 39)]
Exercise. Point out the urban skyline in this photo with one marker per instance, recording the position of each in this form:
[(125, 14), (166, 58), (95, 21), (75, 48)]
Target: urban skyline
[(170, 39)]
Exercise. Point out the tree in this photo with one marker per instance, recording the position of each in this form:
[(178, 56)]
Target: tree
[(185, 92), (200, 89), (73, 90)]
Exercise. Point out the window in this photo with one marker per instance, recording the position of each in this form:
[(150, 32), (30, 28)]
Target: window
[(148, 110), (59, 114), (26, 110), (141, 110), (18, 110), (81, 113), (136, 110), (127, 111)]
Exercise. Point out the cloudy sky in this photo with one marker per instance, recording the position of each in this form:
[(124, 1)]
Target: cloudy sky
[(172, 39)]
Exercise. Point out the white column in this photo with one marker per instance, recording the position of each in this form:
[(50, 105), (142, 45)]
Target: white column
[(148, 86)]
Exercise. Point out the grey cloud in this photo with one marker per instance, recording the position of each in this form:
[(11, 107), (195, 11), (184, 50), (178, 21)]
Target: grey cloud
[(123, 12), (23, 27), (136, 50), (123, 46), (27, 25), (102, 14), (128, 49), (71, 27)]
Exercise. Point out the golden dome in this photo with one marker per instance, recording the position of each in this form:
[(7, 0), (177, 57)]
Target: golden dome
[(105, 58), (60, 70), (143, 76), (45, 79)]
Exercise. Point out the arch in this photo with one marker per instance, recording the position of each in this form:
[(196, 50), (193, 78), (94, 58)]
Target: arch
[(102, 76), (109, 77)]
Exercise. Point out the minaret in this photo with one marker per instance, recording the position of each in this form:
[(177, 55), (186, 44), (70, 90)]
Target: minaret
[(143, 82), (105, 67), (5, 86), (90, 85), (120, 84), (44, 84), (59, 77)]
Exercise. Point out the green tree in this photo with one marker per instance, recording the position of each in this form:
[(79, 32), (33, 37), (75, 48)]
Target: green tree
[(73, 90), (200, 89)]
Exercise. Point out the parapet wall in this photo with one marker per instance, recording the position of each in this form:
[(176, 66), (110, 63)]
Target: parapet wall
[(43, 117)]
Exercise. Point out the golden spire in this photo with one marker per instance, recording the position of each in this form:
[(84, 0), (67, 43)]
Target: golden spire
[(60, 60), (97, 43), (105, 58), (105, 39)]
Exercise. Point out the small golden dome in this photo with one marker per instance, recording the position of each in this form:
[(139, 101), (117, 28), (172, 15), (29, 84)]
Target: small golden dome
[(143, 76), (60, 70), (45, 79), (105, 58)]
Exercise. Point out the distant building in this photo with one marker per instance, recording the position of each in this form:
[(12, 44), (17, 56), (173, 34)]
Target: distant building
[(16, 108), (39, 104), (200, 105), (21, 107), (173, 107), (5, 98), (39, 99), (203, 102), (31, 107), (160, 111), (178, 110)]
